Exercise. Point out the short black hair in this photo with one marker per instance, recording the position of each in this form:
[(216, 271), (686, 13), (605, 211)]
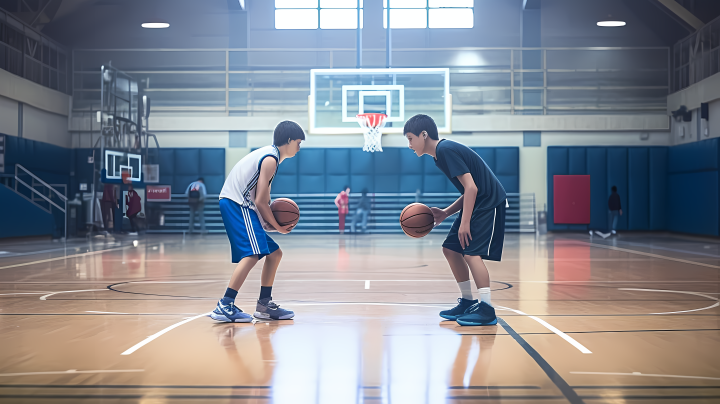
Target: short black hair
[(614, 188), (346, 187), (419, 123), (201, 179), (286, 131)]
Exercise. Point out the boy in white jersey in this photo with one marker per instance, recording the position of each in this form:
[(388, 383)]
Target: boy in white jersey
[(245, 209)]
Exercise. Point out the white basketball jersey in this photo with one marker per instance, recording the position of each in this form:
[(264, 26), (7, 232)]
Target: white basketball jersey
[(241, 184)]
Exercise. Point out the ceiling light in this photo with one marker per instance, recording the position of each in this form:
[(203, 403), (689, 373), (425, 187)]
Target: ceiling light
[(155, 25), (611, 23)]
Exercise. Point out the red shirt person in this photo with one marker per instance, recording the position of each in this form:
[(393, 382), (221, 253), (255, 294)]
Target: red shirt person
[(342, 201), (133, 202)]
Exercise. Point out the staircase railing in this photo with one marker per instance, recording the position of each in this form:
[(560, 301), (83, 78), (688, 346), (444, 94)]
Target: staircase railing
[(34, 193)]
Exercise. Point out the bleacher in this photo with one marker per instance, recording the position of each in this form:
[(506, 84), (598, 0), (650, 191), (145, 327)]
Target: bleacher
[(318, 213)]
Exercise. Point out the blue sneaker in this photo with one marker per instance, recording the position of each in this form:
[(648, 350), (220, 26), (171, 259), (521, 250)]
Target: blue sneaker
[(478, 314), (458, 310), (268, 310), (229, 313)]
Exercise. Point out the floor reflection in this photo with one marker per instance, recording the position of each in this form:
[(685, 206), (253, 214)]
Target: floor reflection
[(353, 361)]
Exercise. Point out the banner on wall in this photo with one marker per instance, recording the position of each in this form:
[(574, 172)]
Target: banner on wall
[(158, 193)]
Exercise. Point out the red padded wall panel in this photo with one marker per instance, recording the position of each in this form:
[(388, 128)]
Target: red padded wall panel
[(571, 202)]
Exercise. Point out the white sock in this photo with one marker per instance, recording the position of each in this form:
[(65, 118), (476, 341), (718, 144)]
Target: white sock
[(466, 290), (485, 295)]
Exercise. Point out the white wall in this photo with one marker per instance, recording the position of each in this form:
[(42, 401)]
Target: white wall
[(45, 127), (714, 121), (8, 116)]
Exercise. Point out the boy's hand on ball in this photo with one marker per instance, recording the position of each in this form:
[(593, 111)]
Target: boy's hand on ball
[(464, 235), (439, 215)]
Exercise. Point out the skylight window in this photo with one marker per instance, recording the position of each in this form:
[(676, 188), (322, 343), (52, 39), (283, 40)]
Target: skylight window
[(314, 14), (429, 13)]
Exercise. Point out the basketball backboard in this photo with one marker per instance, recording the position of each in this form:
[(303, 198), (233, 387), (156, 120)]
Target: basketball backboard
[(117, 163), (337, 96)]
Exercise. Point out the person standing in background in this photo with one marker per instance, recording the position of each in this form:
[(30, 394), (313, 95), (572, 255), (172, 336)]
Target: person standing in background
[(362, 211), (615, 210), (342, 201), (133, 203), (108, 204), (196, 193)]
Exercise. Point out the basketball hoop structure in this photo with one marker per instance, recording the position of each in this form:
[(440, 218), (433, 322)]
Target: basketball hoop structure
[(372, 125)]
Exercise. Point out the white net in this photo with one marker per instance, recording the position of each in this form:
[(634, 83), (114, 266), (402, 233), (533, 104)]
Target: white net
[(372, 130)]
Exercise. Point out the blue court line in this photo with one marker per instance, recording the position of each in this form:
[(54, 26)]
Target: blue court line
[(561, 384)]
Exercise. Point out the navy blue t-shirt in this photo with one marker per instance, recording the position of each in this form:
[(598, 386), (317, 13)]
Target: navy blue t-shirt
[(455, 159)]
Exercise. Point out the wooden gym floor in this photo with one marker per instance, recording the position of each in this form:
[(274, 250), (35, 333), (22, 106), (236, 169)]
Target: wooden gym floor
[(632, 319)]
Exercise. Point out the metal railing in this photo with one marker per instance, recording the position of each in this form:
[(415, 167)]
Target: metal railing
[(319, 214), (510, 81), (27, 53), (35, 193), (697, 56)]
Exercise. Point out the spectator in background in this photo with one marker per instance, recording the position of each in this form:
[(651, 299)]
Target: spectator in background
[(342, 201), (133, 203), (615, 209), (108, 204), (362, 211), (196, 193)]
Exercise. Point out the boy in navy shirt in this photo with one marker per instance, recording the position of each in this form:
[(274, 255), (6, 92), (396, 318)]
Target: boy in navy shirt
[(479, 230)]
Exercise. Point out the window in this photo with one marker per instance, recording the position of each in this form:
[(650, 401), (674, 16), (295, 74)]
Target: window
[(314, 14), (429, 13)]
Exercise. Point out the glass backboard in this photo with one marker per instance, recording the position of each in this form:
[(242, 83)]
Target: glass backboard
[(337, 96)]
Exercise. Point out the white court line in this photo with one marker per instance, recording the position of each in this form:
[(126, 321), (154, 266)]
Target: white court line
[(717, 301), (71, 371), (564, 336), (23, 293), (645, 374), (71, 291), (159, 333), (104, 312), (664, 257), (367, 284), (63, 257)]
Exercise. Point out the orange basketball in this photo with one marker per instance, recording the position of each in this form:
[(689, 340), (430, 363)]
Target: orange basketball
[(286, 211), (417, 220)]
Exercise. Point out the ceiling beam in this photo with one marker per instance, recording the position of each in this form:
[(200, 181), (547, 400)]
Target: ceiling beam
[(39, 13), (683, 13)]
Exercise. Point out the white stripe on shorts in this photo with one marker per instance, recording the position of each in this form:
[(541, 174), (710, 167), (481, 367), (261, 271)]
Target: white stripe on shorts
[(493, 231), (250, 230)]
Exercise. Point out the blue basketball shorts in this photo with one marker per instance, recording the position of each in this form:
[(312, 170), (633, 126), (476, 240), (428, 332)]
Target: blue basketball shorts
[(487, 228), (247, 237)]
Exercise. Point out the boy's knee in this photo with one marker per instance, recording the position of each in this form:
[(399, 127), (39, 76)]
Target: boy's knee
[(277, 254)]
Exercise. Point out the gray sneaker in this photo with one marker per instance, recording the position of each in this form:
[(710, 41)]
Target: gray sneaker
[(268, 310)]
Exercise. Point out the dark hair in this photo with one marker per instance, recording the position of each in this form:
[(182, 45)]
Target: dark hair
[(346, 187), (201, 179), (614, 188), (419, 123), (286, 131)]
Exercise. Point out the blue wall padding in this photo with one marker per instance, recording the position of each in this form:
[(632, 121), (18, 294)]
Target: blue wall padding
[(692, 157), (693, 202), (181, 166), (628, 168), (658, 188), (638, 208), (577, 163), (661, 188), (597, 169), (396, 169), (22, 218)]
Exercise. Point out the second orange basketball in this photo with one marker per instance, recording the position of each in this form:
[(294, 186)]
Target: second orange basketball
[(417, 220)]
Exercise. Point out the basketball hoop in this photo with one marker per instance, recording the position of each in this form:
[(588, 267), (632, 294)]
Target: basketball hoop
[(372, 125)]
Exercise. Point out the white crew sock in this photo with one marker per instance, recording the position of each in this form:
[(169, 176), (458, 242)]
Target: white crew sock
[(466, 290), (485, 295)]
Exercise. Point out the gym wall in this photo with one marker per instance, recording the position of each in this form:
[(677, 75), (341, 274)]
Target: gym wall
[(321, 170), (661, 188)]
